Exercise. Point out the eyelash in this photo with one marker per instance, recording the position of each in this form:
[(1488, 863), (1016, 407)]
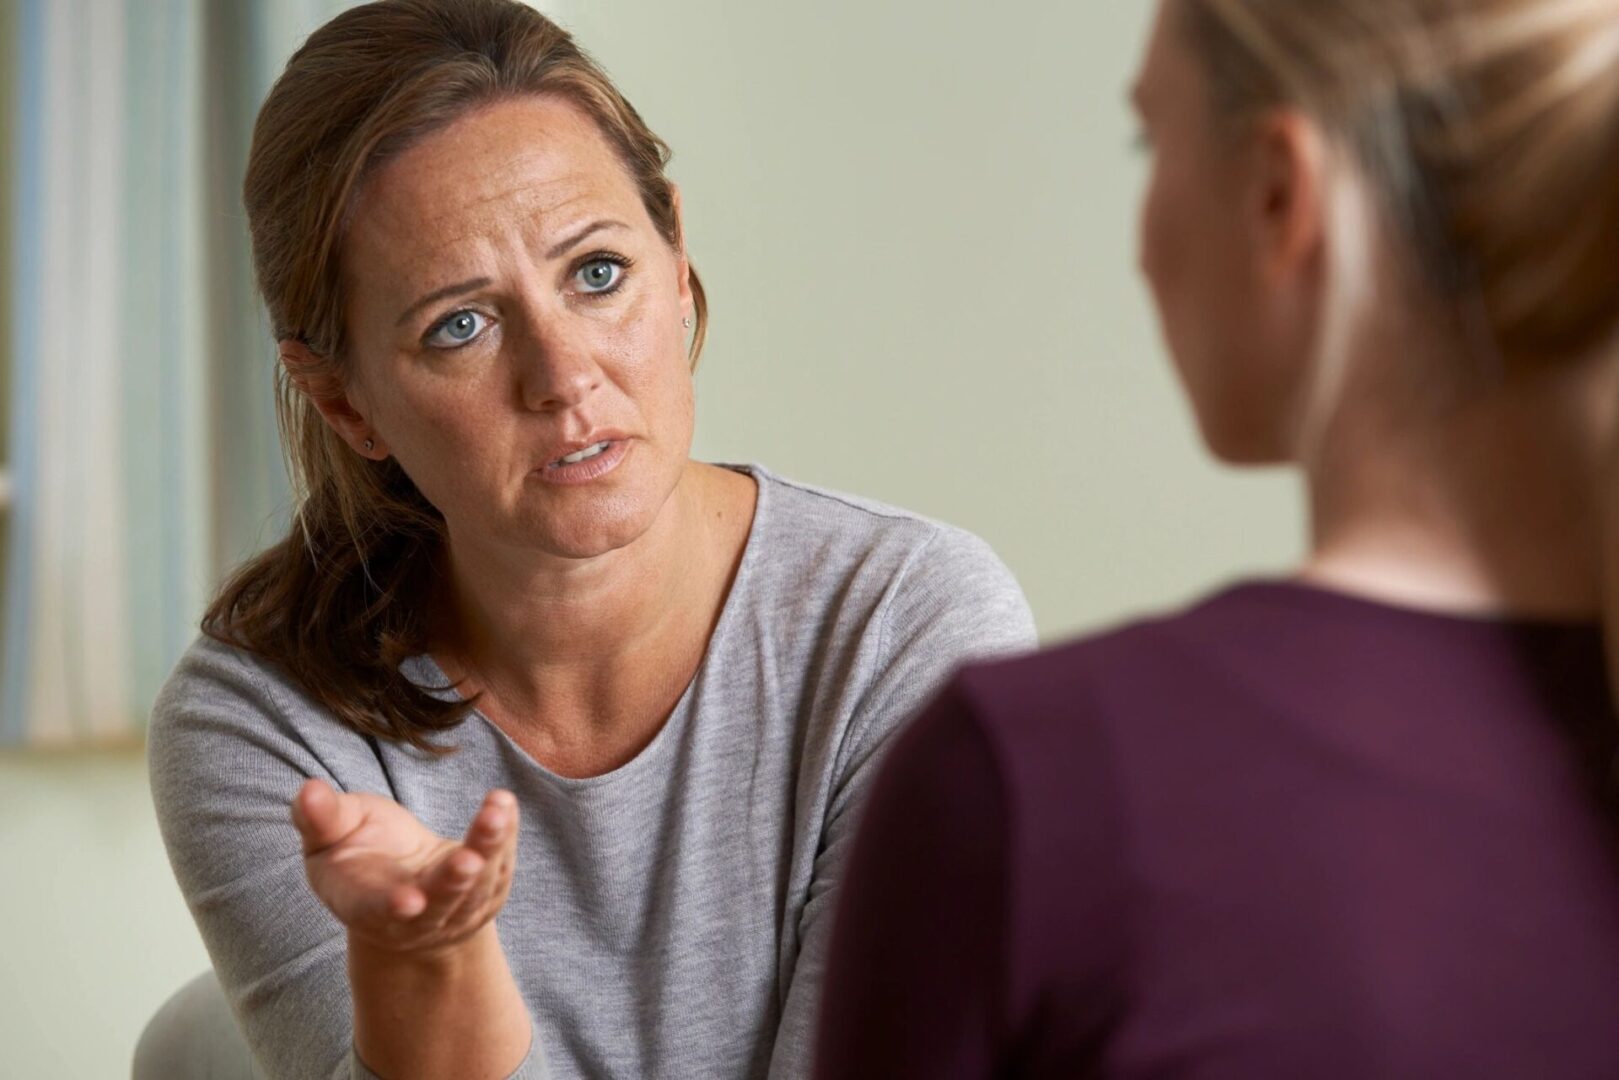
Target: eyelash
[(432, 331), (623, 262)]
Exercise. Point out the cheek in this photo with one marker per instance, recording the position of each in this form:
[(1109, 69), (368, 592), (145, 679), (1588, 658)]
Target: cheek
[(1170, 257), (429, 416), (1192, 256), (451, 427), (1153, 237), (644, 358), (1153, 234)]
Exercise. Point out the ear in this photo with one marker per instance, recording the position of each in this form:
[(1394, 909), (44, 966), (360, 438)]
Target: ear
[(683, 267), (313, 377), (1287, 194)]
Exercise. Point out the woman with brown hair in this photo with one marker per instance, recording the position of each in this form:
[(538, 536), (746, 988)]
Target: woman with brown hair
[(572, 728), (1359, 823)]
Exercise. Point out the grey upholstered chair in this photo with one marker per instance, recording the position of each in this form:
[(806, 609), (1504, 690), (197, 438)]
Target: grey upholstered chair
[(194, 1037)]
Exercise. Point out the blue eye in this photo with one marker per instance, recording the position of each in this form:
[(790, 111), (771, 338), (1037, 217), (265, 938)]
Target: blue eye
[(599, 275), (458, 329)]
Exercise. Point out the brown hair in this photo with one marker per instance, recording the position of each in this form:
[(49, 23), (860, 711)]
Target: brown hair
[(341, 600), (1488, 129)]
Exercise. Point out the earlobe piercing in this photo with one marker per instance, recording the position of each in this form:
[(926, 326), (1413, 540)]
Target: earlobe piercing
[(686, 322), (370, 444)]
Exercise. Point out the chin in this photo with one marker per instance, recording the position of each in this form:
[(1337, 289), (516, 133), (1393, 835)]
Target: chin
[(585, 529), (1242, 445)]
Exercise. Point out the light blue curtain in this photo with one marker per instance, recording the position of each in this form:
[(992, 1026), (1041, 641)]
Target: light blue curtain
[(142, 458)]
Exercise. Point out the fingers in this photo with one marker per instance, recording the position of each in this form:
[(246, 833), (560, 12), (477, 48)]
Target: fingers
[(323, 816), (461, 885), (383, 897), (429, 902), (504, 856), (436, 895), (494, 827), (493, 834), (406, 902)]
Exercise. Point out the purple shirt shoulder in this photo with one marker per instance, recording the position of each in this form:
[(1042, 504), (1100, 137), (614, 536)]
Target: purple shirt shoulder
[(1285, 833)]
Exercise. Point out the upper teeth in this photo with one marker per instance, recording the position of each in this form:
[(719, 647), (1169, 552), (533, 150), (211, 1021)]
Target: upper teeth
[(587, 452)]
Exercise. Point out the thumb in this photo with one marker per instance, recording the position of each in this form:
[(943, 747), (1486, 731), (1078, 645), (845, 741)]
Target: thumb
[(323, 816)]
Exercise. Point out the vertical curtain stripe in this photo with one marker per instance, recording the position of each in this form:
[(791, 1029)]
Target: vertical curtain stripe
[(97, 677), (78, 620), (16, 675), (147, 325), (167, 458), (188, 458), (108, 562)]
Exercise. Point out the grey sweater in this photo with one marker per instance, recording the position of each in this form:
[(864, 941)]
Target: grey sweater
[(667, 919)]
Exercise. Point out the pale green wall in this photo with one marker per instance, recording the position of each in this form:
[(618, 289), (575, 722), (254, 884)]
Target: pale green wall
[(93, 933), (916, 218), (916, 221)]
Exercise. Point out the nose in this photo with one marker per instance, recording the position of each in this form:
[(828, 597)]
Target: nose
[(556, 366)]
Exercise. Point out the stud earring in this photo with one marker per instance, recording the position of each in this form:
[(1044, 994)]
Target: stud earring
[(686, 322), (370, 444)]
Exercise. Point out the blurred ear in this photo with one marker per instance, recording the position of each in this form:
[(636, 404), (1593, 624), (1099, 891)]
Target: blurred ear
[(1287, 200), (683, 268), (313, 377)]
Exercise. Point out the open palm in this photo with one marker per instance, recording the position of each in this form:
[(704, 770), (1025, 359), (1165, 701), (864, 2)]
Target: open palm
[(396, 883)]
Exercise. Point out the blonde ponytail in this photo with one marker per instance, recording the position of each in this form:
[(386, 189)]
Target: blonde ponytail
[(1487, 131)]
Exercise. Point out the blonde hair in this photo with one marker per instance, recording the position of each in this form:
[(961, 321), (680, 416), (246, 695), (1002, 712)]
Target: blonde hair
[(1487, 132), (1486, 137), (341, 600)]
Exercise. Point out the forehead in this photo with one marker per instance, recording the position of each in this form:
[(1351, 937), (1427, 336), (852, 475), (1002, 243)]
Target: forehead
[(1168, 64), (535, 164)]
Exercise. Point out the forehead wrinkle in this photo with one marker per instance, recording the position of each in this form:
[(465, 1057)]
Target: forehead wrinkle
[(490, 246), (456, 213), (522, 178), (444, 208)]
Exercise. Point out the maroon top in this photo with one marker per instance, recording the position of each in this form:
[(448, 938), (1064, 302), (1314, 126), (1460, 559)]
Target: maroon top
[(1288, 833)]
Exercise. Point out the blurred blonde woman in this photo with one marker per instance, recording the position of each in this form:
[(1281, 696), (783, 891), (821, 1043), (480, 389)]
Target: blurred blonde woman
[(571, 728), (1358, 822)]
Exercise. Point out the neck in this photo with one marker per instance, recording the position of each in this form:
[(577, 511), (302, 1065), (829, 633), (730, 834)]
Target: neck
[(531, 627), (1487, 504)]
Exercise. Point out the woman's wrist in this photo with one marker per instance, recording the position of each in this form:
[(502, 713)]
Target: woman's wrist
[(440, 963), (425, 1013)]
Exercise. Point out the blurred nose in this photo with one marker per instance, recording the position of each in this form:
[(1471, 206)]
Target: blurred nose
[(556, 368)]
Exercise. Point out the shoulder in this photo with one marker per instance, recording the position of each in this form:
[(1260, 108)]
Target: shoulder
[(1157, 686), (227, 716), (210, 670), (214, 677), (1171, 650), (863, 551), (820, 518)]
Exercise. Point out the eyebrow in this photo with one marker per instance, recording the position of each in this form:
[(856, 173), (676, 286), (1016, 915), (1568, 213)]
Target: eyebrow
[(559, 249), (580, 236), (440, 294)]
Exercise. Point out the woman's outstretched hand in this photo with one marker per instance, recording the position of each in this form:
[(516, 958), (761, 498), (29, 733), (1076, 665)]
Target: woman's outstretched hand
[(393, 882)]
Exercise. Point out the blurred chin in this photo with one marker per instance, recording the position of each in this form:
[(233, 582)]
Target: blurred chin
[(1241, 441), (1236, 423)]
